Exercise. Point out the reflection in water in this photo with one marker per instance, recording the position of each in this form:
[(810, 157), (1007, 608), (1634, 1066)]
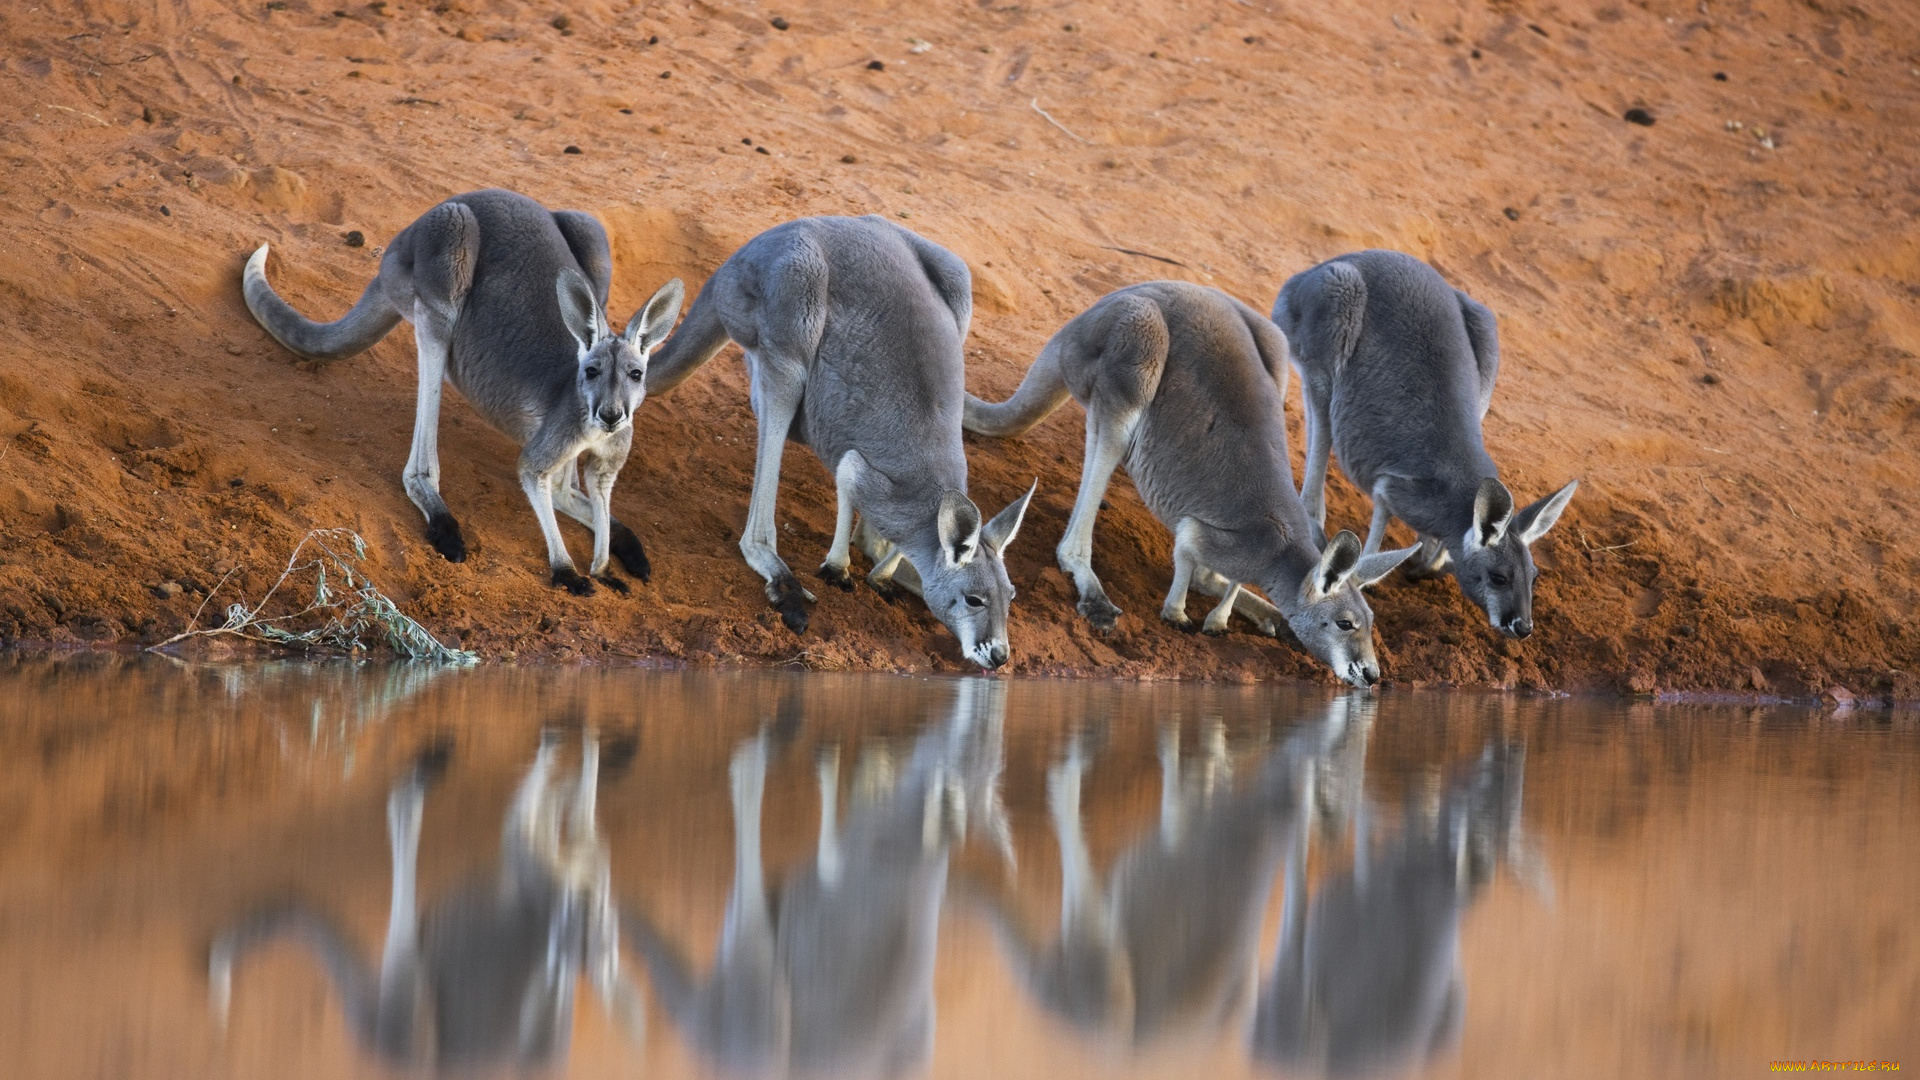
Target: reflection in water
[(487, 976), (1167, 946), (1072, 878), (1368, 973), (832, 971)]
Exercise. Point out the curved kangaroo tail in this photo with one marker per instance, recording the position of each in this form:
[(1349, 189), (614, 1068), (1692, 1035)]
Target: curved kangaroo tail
[(355, 332), (1043, 390), (701, 334)]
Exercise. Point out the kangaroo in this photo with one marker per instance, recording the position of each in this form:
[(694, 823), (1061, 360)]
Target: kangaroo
[(852, 330), (831, 973), (477, 276), (488, 975), (1367, 976), (1169, 945), (1185, 385), (1397, 370)]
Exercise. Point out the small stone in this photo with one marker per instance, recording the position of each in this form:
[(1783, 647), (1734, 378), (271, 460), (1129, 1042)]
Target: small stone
[(1638, 116), (849, 159), (571, 150), (561, 22), (780, 23), (763, 150), (1757, 679), (1837, 698), (1719, 76), (1512, 214), (355, 238), (1710, 379), (627, 112), (1642, 682), (876, 65), (167, 590), (746, 142), (666, 74), (164, 212)]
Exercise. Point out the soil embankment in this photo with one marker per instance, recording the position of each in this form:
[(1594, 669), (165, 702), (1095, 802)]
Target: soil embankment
[(1711, 319)]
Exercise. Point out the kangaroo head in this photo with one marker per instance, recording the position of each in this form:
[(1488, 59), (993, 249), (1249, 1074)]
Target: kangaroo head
[(612, 376), (1331, 618), (1495, 568), (965, 584)]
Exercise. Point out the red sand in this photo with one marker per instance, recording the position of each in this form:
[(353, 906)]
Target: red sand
[(1715, 329)]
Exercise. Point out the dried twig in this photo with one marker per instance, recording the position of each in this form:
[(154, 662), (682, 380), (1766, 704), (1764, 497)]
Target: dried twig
[(1146, 255), (360, 612), (1588, 544), (1035, 103)]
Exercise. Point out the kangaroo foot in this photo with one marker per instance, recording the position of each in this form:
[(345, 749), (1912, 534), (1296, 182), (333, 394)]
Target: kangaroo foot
[(1099, 611), (606, 578), (566, 577), (1212, 631), (836, 576), (790, 600), (444, 534), (626, 547), (1179, 621), (887, 589)]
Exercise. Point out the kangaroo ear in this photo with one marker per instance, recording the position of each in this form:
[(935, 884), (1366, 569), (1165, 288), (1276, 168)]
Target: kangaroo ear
[(1536, 519), (1006, 524), (1337, 562), (1372, 568), (1492, 511), (578, 308), (652, 323), (959, 522)]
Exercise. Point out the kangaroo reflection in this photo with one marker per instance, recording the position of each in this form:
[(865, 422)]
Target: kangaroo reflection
[(1168, 947), (833, 971), (1367, 977), (487, 976)]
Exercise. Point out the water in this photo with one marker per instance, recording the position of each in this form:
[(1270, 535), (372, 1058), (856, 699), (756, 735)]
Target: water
[(197, 871)]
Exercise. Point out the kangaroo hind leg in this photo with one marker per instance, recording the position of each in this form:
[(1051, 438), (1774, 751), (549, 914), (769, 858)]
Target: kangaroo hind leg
[(446, 243), (622, 543)]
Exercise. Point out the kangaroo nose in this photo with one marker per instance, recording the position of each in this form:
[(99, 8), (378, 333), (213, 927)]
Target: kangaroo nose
[(1519, 628), (996, 655), (610, 416), (1370, 674)]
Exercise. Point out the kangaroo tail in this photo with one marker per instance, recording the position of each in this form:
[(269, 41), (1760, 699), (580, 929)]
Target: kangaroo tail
[(700, 335), (1043, 390), (355, 332)]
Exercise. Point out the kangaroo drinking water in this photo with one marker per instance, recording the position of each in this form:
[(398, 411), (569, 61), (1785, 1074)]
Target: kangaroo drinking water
[(1397, 369), (1184, 385), (508, 303), (852, 330)]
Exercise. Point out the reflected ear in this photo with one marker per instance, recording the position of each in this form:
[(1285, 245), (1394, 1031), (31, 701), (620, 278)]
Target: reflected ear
[(1492, 511), (1536, 519), (578, 308), (1006, 524), (1372, 568), (1337, 562), (959, 523), (652, 323)]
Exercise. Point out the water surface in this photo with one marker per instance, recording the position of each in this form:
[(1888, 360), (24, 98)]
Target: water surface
[(344, 870)]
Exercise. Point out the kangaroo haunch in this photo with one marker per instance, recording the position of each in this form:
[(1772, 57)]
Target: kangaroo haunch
[(852, 330), (507, 301)]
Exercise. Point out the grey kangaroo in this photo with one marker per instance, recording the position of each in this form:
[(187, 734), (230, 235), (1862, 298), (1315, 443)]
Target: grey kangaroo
[(1397, 369), (1185, 385), (508, 303), (831, 973), (488, 975), (1169, 945), (1367, 979), (852, 329)]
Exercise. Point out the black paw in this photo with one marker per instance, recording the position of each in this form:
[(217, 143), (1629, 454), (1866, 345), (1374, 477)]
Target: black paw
[(836, 576), (888, 589), (1211, 632), (444, 534), (626, 547), (1100, 612), (790, 600), (566, 577), (613, 583), (1182, 624)]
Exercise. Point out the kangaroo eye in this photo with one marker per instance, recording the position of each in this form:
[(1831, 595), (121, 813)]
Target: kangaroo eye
[(636, 374), (1498, 580), (1345, 624), (975, 602), (593, 371)]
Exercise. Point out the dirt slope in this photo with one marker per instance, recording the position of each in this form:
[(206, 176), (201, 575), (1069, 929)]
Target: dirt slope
[(1710, 320)]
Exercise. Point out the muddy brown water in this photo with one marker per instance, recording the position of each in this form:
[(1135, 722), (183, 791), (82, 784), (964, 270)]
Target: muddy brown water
[(1020, 878)]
